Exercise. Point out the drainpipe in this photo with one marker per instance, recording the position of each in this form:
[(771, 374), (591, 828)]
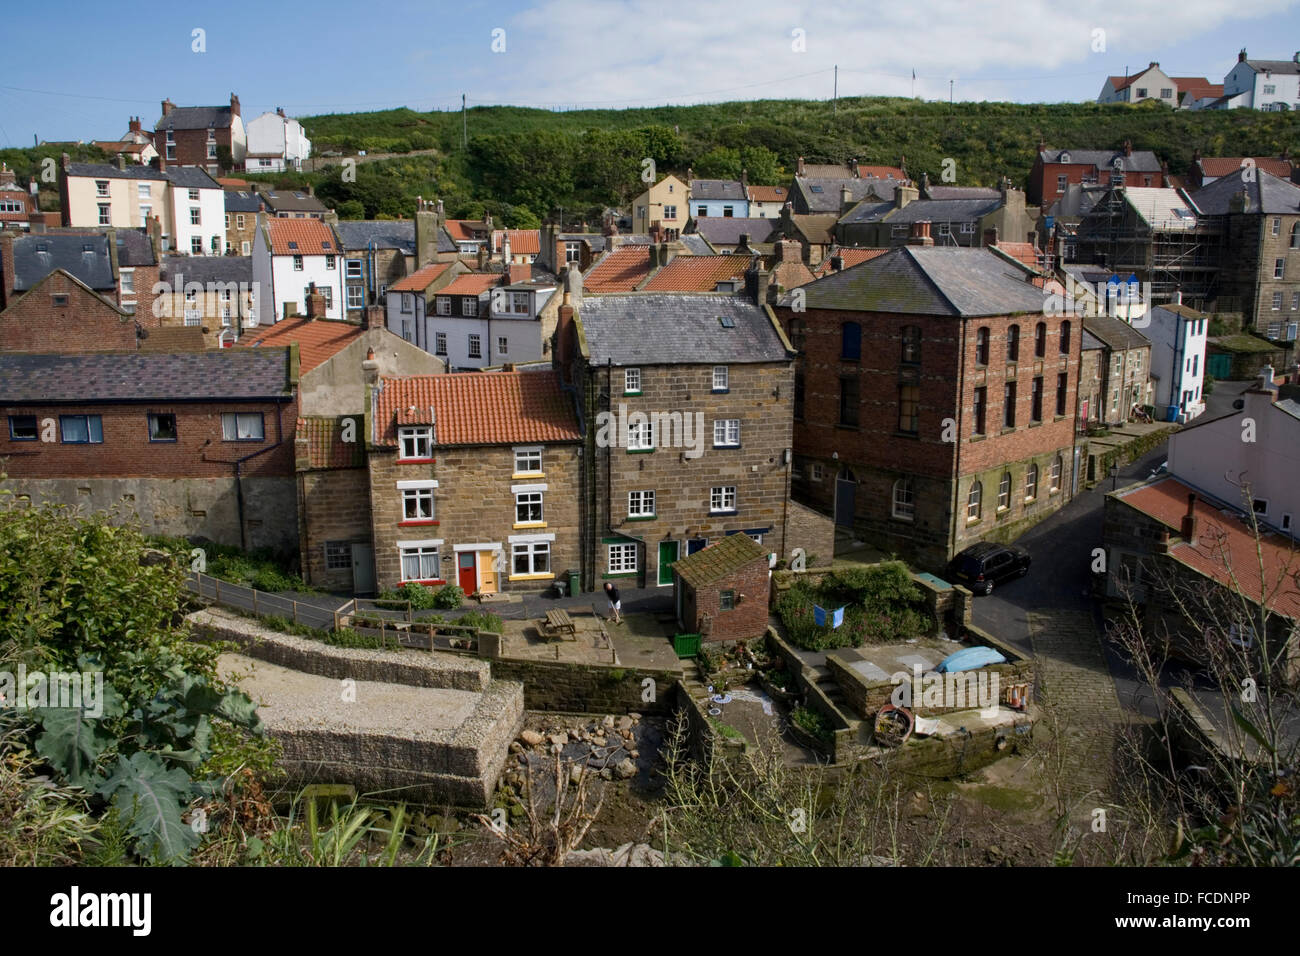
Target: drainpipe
[(239, 479), (956, 485), (609, 485)]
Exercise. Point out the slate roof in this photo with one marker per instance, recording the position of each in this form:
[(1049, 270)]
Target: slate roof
[(290, 200), (664, 328), (725, 231), (301, 237), (1215, 166), (697, 273), (420, 279), (928, 280), (1225, 550), (1090, 342), (67, 252), (109, 171), (1274, 66), (945, 210), (134, 248), (868, 211), (695, 244), (195, 117), (823, 195), (1142, 160), (1115, 333), (478, 408), (190, 177), (173, 338), (319, 340), (211, 375), (320, 439), (709, 189), (818, 228), (963, 192), (207, 269), (242, 201), (1267, 194), (620, 270), (712, 564)]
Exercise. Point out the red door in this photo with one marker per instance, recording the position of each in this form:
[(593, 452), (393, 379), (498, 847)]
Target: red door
[(467, 572)]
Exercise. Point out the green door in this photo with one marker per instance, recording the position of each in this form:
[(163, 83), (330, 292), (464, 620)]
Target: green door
[(668, 551), (1220, 366)]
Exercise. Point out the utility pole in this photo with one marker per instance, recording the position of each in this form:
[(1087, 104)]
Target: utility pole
[(950, 92), (464, 124), (836, 94)]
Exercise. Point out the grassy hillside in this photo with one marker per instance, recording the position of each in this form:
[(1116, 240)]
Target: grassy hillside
[(580, 160)]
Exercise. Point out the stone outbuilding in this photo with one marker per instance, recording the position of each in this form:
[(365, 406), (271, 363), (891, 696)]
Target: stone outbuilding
[(721, 592)]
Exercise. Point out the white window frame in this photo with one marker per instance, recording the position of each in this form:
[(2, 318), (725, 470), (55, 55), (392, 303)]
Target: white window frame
[(816, 471), (474, 345), (641, 504), (420, 551), (975, 501), (722, 499), (439, 343), (726, 433), (414, 443), (530, 551), (1004, 491), (418, 494), (631, 381), (237, 426), (526, 456), (468, 305), (297, 263), (621, 558), (442, 305), (1054, 482), (530, 500), (903, 505), (353, 268), (641, 436), (356, 297), (721, 378)]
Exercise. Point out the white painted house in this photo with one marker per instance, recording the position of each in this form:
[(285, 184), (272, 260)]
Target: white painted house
[(1178, 338), (1251, 448), (275, 143), (289, 255), (198, 212), (1270, 85)]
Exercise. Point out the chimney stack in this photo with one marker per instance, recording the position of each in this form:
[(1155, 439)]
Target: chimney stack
[(1128, 147), (920, 234), (370, 368), (279, 111), (789, 250), (234, 105), (1188, 529), (904, 195), (133, 124), (1241, 57), (167, 107), (837, 263), (991, 236), (372, 317), (799, 167), (315, 302)]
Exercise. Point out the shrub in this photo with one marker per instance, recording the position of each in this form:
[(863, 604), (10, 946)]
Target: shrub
[(448, 596), (483, 620), (421, 597), (813, 722)]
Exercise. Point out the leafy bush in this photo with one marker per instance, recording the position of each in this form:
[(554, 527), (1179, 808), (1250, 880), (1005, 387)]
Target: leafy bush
[(483, 620), (882, 604), (448, 596), (346, 637), (813, 722)]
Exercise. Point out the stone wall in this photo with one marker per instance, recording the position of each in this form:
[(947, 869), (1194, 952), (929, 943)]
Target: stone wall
[(811, 530), (587, 688), (180, 507), (335, 506)]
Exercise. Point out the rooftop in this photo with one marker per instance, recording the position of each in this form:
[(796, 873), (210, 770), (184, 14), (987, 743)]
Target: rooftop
[(724, 189), (726, 230), (662, 328), (471, 283), (712, 564), (319, 340), (478, 408), (697, 273), (1265, 193), (83, 256), (420, 279), (322, 441), (214, 374), (301, 237), (396, 234), (620, 270)]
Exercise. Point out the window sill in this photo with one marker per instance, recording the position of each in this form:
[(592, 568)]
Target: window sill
[(425, 581), (527, 474), (904, 518), (531, 577), (848, 428), (641, 517), (619, 574), (417, 522), (902, 434), (724, 447), (971, 521), (520, 525), (1059, 418), (631, 394), (975, 438), (723, 514), (640, 451), (1007, 430), (416, 461), (719, 391)]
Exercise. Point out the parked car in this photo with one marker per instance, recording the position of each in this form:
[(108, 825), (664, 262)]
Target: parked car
[(983, 565)]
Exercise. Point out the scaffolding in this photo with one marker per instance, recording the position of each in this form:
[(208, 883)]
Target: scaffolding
[(1178, 259)]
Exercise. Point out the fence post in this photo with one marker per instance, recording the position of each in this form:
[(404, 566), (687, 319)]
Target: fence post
[(336, 620), (216, 590), (295, 612), (254, 602)]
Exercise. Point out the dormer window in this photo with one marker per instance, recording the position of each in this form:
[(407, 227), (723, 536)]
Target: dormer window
[(416, 443), (1065, 157)]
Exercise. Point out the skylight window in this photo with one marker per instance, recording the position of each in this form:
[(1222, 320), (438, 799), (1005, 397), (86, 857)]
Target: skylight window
[(814, 189), (293, 245), (728, 322), (324, 244)]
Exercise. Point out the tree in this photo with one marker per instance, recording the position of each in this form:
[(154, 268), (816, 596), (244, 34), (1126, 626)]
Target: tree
[(721, 162)]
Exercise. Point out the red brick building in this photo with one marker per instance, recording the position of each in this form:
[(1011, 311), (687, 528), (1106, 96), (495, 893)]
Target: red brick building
[(61, 314), (198, 135), (15, 204), (1054, 169), (197, 443), (722, 591), (934, 400)]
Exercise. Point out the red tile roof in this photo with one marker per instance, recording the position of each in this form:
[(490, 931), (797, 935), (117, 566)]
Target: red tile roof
[(464, 230), (478, 408), (619, 271), (228, 183), (768, 194), (697, 273), (471, 283), (523, 242), (420, 280), (880, 172), (1216, 166), (302, 237), (1119, 82), (1026, 253), (319, 340), (1197, 85), (320, 445), (1225, 546), (851, 257)]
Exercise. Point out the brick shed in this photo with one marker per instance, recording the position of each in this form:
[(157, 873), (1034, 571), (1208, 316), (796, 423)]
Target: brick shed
[(721, 591)]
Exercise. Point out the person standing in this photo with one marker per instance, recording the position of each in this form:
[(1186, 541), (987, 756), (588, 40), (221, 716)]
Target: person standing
[(615, 602)]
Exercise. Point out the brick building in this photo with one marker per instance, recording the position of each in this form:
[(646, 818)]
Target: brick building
[(15, 203), (934, 401), (687, 400), (60, 313), (1056, 169), (475, 479), (722, 590), (214, 294), (242, 207), (197, 443), (206, 136)]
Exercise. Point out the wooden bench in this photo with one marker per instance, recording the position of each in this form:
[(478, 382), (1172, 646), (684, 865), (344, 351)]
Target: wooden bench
[(559, 623)]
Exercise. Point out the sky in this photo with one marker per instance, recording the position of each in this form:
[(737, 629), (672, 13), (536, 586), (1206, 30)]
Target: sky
[(123, 59)]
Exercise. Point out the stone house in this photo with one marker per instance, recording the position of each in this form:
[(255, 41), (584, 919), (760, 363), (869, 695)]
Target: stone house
[(475, 479), (934, 401), (1125, 368), (242, 207), (666, 204), (960, 221), (212, 293), (722, 591), (687, 403)]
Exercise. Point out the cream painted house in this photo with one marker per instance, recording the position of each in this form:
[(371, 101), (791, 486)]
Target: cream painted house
[(667, 202), (122, 196)]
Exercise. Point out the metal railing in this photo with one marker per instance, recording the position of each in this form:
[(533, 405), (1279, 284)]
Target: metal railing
[(262, 603)]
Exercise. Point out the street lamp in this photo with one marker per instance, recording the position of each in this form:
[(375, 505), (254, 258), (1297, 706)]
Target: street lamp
[(1114, 476)]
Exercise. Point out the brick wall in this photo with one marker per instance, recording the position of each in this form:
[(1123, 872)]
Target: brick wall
[(126, 451), (811, 530), (876, 452), (748, 617), (474, 504), (33, 322), (236, 237), (681, 485), (334, 506)]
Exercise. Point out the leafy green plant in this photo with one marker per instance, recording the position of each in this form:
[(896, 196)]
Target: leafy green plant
[(814, 723), (483, 620), (448, 596)]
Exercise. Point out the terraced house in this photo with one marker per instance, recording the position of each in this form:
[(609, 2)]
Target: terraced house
[(475, 480), (687, 403), (934, 401)]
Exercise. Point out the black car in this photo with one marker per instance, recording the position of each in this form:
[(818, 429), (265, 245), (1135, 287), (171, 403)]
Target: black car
[(983, 565)]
